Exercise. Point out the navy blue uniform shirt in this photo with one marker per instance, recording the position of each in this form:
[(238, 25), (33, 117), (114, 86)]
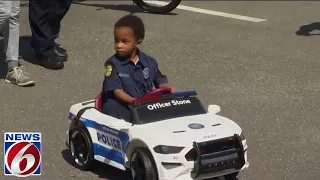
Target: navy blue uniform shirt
[(135, 79)]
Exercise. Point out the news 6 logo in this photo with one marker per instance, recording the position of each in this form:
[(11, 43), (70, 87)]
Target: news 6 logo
[(22, 154)]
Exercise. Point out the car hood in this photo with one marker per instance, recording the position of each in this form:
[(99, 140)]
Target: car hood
[(177, 131)]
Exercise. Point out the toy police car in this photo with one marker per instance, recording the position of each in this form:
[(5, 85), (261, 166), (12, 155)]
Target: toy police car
[(171, 137)]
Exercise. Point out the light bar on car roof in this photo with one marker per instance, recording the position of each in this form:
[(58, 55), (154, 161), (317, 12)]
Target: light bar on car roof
[(184, 93)]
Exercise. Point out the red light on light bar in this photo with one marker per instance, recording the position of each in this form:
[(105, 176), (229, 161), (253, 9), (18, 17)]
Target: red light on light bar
[(230, 139), (146, 99)]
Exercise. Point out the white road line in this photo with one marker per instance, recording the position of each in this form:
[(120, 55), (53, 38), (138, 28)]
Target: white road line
[(216, 13)]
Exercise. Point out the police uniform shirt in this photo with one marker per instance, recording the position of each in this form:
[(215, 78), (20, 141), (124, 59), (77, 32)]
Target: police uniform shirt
[(136, 79)]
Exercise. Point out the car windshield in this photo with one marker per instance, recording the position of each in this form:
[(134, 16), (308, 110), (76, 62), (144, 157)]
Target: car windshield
[(168, 108)]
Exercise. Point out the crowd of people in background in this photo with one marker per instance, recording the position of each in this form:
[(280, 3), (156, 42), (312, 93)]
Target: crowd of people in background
[(44, 18)]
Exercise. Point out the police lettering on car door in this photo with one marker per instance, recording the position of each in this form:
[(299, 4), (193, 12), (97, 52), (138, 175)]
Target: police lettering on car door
[(110, 141)]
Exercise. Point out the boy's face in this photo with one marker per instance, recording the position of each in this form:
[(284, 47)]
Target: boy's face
[(124, 41)]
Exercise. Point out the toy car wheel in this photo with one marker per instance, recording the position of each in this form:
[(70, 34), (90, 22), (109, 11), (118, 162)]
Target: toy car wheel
[(142, 165), (232, 176), (81, 147)]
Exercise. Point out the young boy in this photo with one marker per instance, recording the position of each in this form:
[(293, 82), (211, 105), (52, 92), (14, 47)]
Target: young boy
[(130, 73)]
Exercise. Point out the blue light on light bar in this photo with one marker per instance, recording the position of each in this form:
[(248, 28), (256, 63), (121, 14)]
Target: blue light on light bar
[(184, 93)]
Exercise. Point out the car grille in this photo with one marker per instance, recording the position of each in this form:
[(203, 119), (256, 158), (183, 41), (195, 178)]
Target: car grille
[(210, 147), (217, 155)]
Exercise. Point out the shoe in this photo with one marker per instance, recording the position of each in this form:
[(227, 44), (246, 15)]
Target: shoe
[(61, 49), (62, 53), (57, 44), (18, 77), (53, 62)]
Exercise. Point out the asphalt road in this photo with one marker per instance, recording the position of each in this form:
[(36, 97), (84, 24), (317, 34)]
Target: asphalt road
[(263, 75)]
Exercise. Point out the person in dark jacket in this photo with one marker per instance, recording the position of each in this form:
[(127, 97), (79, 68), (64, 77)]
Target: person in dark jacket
[(45, 17), (130, 73)]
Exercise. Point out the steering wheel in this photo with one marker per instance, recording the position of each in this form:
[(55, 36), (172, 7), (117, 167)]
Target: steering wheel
[(159, 91)]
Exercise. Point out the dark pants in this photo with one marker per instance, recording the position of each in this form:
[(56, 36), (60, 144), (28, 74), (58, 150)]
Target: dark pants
[(116, 109), (45, 17)]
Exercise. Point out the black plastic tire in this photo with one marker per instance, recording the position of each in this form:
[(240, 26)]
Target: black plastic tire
[(157, 9), (79, 129), (232, 176), (150, 169)]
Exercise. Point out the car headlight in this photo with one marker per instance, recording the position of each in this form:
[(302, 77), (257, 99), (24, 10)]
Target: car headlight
[(242, 137), (162, 149)]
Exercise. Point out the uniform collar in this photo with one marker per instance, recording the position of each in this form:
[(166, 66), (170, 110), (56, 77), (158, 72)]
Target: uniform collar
[(141, 60)]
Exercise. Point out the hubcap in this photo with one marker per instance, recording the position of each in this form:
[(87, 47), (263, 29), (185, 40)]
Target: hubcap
[(137, 167), (79, 148)]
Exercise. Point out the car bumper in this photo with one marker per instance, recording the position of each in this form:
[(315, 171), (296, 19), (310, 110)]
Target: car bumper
[(184, 172), (188, 176), (194, 170)]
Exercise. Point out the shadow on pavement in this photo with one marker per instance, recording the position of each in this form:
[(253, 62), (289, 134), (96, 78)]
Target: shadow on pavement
[(26, 54), (305, 30), (122, 7), (24, 4), (3, 64), (102, 170)]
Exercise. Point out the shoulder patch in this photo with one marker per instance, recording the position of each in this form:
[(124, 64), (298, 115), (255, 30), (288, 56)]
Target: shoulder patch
[(108, 70)]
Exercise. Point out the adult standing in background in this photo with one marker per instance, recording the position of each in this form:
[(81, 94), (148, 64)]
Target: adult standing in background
[(9, 26), (45, 17)]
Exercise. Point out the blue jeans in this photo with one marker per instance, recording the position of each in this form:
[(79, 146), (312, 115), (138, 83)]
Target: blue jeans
[(9, 25)]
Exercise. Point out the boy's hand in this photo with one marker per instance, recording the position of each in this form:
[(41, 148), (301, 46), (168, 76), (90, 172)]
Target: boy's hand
[(166, 85), (173, 90)]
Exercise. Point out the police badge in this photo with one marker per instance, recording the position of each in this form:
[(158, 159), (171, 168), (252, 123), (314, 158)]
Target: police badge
[(146, 73), (108, 70)]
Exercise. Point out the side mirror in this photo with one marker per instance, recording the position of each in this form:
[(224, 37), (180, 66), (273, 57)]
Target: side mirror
[(213, 109)]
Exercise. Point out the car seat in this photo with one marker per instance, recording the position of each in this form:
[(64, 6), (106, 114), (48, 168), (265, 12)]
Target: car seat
[(98, 102)]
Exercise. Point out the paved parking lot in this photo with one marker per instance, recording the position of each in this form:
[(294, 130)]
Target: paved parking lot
[(263, 75)]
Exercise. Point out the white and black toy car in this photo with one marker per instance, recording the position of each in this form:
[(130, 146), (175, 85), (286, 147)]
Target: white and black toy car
[(171, 137)]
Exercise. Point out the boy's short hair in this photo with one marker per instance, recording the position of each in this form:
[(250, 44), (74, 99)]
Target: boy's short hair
[(133, 22)]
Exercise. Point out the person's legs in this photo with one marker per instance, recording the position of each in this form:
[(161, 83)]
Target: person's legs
[(11, 40), (56, 15), (117, 110), (42, 38), (38, 18), (5, 34), (5, 11), (12, 35)]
